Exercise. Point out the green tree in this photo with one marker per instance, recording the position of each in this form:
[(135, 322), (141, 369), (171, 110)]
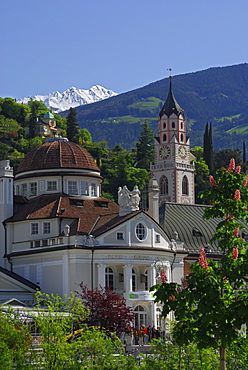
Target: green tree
[(120, 171), (208, 147), (224, 156), (145, 147), (14, 341), (210, 306), (72, 125), (84, 136), (56, 318)]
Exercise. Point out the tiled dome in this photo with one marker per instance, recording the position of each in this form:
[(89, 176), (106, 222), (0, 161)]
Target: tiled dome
[(57, 154)]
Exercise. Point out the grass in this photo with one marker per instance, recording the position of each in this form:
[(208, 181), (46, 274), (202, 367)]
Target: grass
[(222, 119), (238, 130), (149, 103)]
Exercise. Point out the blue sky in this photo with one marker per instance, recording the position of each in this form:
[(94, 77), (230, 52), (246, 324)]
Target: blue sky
[(52, 45)]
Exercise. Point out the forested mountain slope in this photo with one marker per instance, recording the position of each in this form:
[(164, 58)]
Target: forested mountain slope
[(219, 95)]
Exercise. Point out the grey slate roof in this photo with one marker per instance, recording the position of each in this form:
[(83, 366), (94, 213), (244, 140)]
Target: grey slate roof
[(187, 220), (171, 105)]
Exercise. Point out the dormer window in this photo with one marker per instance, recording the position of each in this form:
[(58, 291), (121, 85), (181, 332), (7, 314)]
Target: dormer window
[(72, 188), (33, 189), (51, 185), (24, 190), (84, 188), (93, 190)]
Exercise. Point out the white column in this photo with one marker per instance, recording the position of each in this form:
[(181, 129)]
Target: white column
[(151, 276), (65, 273), (128, 278), (101, 274)]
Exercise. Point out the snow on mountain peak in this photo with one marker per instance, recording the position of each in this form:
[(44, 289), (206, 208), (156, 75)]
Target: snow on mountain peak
[(71, 97)]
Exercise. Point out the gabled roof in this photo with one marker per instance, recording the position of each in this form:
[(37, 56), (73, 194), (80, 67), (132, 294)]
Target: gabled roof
[(18, 278), (171, 105)]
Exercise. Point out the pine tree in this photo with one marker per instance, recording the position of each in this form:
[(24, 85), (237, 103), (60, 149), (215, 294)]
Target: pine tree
[(32, 121), (145, 147), (72, 125), (208, 147)]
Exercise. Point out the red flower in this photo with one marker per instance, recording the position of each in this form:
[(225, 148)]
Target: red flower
[(163, 276), (235, 253), (202, 259), (172, 298), (236, 232), (232, 165), (212, 181), (238, 169), (236, 195)]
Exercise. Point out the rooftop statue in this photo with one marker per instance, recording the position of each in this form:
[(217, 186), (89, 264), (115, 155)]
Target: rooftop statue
[(128, 200)]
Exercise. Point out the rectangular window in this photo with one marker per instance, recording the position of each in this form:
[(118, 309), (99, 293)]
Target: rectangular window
[(37, 244), (51, 185), (120, 236), (33, 189), (35, 228), (24, 190), (72, 188), (157, 238), (93, 190), (46, 228), (44, 243), (84, 188)]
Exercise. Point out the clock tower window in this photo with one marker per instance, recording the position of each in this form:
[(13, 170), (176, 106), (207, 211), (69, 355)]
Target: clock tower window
[(164, 137), (173, 125), (185, 186), (181, 137), (163, 185), (164, 125)]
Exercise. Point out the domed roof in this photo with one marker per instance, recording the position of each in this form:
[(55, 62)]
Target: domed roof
[(57, 154)]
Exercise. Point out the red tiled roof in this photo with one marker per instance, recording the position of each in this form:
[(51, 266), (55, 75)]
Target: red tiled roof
[(58, 154), (86, 213)]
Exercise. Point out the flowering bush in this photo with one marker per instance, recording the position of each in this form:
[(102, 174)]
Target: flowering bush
[(212, 307)]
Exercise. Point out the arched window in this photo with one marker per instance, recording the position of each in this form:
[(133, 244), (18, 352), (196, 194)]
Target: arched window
[(181, 137), (181, 125), (140, 316), (185, 186), (163, 185), (133, 280), (164, 137), (173, 125), (164, 124), (109, 278)]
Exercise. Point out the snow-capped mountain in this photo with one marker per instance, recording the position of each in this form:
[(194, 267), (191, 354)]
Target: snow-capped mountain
[(71, 98)]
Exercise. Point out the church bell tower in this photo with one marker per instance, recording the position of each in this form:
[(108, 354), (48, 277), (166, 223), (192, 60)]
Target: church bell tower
[(173, 168)]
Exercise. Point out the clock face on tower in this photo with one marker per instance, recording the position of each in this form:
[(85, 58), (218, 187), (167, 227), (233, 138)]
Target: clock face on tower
[(182, 152), (164, 152)]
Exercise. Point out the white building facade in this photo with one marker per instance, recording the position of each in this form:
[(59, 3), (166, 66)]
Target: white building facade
[(61, 232)]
